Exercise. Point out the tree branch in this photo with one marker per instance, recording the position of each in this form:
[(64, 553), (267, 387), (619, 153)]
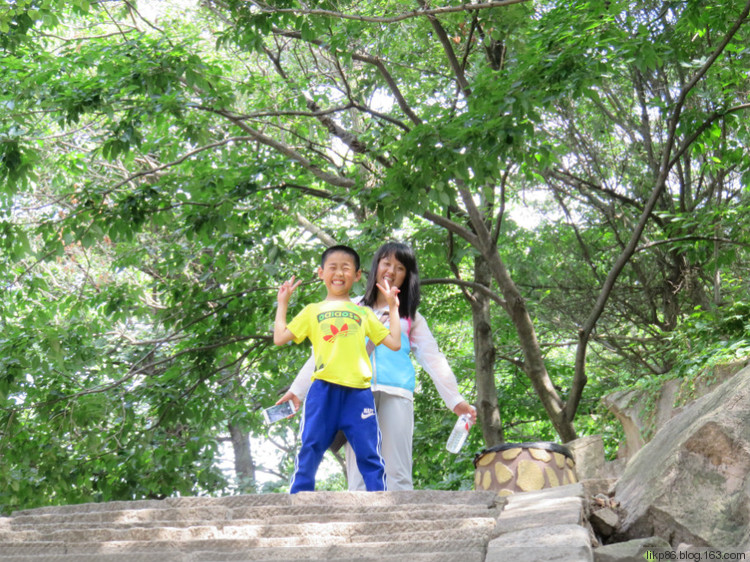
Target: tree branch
[(265, 8), (578, 183), (451, 226), (319, 193), (375, 61), (579, 378), (470, 284), (316, 230), (458, 71), (180, 160), (349, 139), (691, 139), (286, 150), (686, 238), (497, 228)]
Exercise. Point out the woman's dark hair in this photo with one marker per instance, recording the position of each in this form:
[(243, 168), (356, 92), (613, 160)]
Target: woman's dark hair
[(410, 294)]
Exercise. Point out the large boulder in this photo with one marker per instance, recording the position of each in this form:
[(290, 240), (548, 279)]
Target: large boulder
[(644, 412), (691, 482)]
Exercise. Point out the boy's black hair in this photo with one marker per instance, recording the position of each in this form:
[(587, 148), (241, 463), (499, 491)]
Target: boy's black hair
[(340, 248), (410, 294)]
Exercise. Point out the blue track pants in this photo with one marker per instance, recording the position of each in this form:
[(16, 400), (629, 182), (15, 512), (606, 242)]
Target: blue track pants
[(328, 408)]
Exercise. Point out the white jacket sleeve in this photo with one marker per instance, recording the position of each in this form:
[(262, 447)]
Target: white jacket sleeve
[(428, 355), (303, 380)]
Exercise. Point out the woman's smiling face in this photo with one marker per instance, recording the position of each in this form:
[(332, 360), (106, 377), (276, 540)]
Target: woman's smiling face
[(392, 270)]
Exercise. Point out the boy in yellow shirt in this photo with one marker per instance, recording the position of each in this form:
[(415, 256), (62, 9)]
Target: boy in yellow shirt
[(340, 397)]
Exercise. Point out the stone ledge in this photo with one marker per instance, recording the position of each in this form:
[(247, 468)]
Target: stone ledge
[(558, 543)]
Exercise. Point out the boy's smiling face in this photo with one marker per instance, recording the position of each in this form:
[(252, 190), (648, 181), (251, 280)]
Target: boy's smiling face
[(339, 273)]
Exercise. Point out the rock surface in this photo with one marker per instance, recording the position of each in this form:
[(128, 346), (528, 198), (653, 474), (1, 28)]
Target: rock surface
[(641, 415), (691, 482), (629, 551), (588, 453)]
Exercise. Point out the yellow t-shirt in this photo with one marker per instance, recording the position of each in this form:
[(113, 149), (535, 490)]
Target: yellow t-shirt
[(337, 331)]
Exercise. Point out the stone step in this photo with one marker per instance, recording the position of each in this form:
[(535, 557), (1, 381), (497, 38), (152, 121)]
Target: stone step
[(311, 531), (369, 500), (247, 515), (465, 551), (472, 555), (205, 550), (418, 526)]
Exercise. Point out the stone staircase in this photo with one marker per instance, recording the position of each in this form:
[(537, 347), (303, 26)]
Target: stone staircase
[(416, 526)]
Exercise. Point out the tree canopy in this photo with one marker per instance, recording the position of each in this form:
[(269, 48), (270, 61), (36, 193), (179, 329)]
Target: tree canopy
[(164, 166)]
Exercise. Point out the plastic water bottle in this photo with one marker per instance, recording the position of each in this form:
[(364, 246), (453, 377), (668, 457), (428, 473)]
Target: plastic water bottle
[(459, 434)]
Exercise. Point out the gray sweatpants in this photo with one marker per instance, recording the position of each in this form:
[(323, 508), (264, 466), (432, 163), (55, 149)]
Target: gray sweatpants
[(396, 420)]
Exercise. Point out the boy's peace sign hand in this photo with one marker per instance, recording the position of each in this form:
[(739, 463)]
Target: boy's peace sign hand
[(390, 293), (286, 289)]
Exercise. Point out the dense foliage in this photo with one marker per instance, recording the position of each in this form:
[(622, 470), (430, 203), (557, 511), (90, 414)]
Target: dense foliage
[(573, 177)]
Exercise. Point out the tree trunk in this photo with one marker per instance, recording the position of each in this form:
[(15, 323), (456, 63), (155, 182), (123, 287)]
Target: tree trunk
[(244, 467), (515, 305), (488, 411), (533, 364)]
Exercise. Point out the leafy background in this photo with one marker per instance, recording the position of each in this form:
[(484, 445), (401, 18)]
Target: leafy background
[(573, 177)]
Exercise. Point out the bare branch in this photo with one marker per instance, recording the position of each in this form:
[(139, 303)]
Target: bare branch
[(319, 193), (705, 125), (501, 211), (317, 231), (349, 139), (375, 61), (577, 182), (451, 226), (382, 116), (280, 113), (686, 238), (180, 160), (80, 38), (469, 284), (445, 41), (132, 9), (393, 19), (286, 150)]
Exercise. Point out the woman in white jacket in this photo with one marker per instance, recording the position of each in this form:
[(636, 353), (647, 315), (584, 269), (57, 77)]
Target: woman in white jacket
[(393, 377)]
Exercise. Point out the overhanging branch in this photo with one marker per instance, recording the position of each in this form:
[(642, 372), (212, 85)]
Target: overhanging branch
[(286, 150), (469, 284), (451, 226), (265, 8), (375, 61)]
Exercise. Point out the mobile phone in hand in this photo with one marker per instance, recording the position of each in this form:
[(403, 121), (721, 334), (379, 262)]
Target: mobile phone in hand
[(278, 412)]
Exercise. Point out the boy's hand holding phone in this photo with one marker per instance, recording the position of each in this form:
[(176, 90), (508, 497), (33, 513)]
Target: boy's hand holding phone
[(279, 412)]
